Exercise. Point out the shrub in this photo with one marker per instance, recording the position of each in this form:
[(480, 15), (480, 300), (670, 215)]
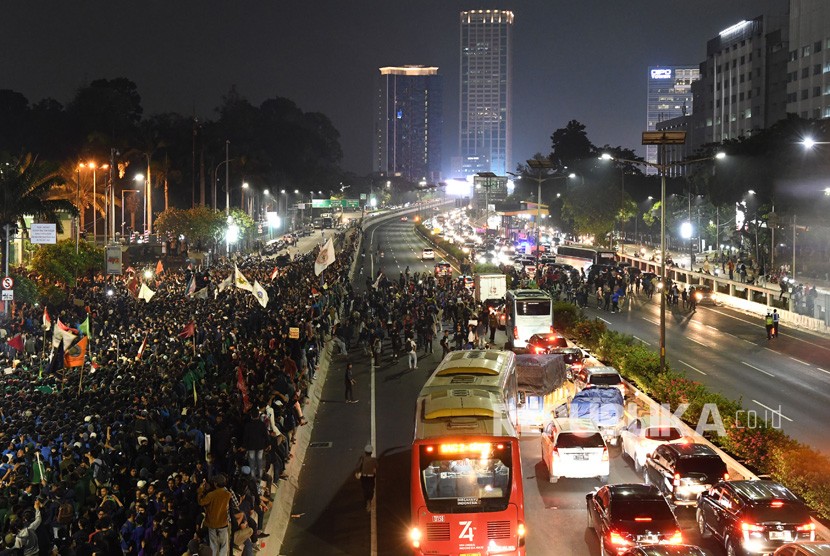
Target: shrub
[(487, 268), (565, 316), (640, 364), (612, 345), (804, 470), (589, 332), (754, 443)]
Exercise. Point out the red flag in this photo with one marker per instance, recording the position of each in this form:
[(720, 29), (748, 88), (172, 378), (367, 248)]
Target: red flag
[(275, 273), (47, 322), (188, 330), (314, 291), (141, 349), (132, 286), (65, 328), (243, 388), (16, 342), (159, 267)]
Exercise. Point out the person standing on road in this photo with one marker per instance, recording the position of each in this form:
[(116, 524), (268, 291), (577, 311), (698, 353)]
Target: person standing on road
[(775, 317), (349, 382), (217, 504), (413, 353), (768, 325), (367, 468)]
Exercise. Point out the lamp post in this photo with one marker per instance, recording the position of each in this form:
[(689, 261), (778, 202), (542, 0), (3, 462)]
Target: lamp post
[(245, 186), (77, 218), (141, 178), (663, 138), (122, 206), (227, 186), (541, 165), (94, 167), (606, 156)]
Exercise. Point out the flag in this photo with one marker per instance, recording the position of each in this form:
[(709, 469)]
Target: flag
[(226, 283), (65, 328), (16, 342), (188, 330), (47, 322), (201, 294), (275, 272), (243, 388), (191, 285), (132, 286), (56, 362), (159, 267), (61, 335), (324, 258), (241, 282), (195, 398), (75, 355), (314, 291), (141, 348), (260, 294), (146, 293), (83, 328), (377, 282)]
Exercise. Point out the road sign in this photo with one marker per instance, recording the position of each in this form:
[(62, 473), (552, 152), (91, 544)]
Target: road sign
[(7, 295), (43, 233), (362, 196), (8, 283)]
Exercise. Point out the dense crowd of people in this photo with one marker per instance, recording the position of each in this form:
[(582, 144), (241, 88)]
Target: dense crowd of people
[(170, 440)]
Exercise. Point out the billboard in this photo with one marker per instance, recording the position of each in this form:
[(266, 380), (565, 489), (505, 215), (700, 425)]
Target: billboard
[(114, 259), (335, 203), (43, 233)]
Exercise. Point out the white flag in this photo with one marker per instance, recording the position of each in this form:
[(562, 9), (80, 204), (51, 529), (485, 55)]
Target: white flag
[(60, 335), (260, 294), (146, 293), (240, 281), (377, 282), (324, 258), (201, 294), (226, 283)]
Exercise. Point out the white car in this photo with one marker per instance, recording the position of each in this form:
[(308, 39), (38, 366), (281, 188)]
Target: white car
[(643, 435), (574, 448), (428, 254)]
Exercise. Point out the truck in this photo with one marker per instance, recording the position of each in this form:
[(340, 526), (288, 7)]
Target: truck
[(490, 288), (602, 405)]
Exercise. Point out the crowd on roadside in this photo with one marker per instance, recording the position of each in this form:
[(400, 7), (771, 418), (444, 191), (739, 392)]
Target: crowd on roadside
[(184, 397)]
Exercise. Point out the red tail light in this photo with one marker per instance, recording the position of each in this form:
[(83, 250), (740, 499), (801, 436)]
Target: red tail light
[(676, 481), (554, 452), (552, 329), (605, 454), (539, 350), (751, 527), (676, 538), (726, 476), (642, 519), (617, 540), (806, 528), (515, 332)]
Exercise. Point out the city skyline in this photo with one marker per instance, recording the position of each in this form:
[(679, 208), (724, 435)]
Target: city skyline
[(580, 61)]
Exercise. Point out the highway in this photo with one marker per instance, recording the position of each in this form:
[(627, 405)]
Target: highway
[(329, 517)]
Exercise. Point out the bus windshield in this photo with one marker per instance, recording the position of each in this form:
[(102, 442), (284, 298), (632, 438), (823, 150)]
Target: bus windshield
[(465, 483), (533, 307)]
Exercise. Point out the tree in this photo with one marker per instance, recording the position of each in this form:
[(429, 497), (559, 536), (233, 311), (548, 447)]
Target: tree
[(202, 227), (570, 144), (25, 185), (59, 262), (584, 206)]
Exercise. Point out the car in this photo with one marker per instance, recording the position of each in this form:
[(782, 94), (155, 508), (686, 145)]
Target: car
[(443, 269), (627, 515), (574, 448), (544, 343), (404, 219), (753, 516), (428, 254), (665, 550), (705, 294), (468, 282), (682, 471), (547, 258), (642, 436), (573, 357), (600, 377), (806, 548)]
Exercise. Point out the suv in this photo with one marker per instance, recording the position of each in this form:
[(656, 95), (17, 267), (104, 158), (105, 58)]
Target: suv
[(753, 516), (574, 448), (682, 471), (428, 254), (603, 377), (630, 515), (807, 548)]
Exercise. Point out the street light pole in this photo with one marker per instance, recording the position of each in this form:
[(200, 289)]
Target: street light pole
[(123, 222), (227, 186)]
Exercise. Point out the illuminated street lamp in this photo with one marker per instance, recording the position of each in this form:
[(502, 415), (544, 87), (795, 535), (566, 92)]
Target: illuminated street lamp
[(94, 167), (140, 178)]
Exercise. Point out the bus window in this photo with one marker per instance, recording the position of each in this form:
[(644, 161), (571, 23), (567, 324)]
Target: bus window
[(533, 308)]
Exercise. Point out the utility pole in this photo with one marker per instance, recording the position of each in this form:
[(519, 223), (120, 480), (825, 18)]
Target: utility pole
[(6, 270)]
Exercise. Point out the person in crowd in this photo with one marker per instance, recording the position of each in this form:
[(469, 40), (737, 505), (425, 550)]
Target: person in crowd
[(367, 468)]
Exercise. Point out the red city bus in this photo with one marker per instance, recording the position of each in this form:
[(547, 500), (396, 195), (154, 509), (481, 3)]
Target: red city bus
[(466, 486)]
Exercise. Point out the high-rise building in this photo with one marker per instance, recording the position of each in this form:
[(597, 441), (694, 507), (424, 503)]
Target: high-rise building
[(669, 96), (743, 82), (408, 121), (486, 73), (808, 67)]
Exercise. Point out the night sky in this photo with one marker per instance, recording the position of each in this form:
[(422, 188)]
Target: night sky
[(575, 59)]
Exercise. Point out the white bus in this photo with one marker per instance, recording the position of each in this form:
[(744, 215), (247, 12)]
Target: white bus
[(529, 312)]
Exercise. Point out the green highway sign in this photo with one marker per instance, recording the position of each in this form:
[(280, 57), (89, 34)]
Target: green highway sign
[(335, 203)]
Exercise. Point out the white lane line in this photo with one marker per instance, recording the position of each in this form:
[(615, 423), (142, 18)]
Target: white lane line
[(822, 370), (772, 350), (710, 326), (603, 320), (757, 369), (800, 361), (778, 411), (698, 343), (651, 321), (641, 340), (692, 368)]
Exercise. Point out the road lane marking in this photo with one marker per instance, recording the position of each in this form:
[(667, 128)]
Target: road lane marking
[(651, 321), (603, 320), (768, 408), (692, 368), (822, 370), (772, 350), (757, 369), (640, 339), (800, 361), (710, 326), (697, 342)]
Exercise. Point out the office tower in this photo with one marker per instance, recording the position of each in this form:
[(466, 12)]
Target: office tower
[(669, 96), (408, 119), (809, 59), (486, 72), (743, 82)]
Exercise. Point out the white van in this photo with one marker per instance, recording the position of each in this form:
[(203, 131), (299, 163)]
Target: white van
[(528, 312), (575, 449)]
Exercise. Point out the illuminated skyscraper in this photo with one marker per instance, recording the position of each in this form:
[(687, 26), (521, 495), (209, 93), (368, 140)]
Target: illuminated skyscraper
[(486, 74), (408, 120), (669, 96)]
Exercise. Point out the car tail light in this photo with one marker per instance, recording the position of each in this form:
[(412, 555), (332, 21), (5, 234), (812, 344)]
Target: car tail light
[(554, 452), (676, 481), (726, 476), (521, 532), (539, 350), (415, 537), (605, 454), (515, 332), (751, 527), (552, 329), (777, 504), (806, 528), (676, 538), (642, 519), (618, 540)]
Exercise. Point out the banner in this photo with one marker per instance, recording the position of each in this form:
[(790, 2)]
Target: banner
[(324, 258), (75, 355), (114, 262)]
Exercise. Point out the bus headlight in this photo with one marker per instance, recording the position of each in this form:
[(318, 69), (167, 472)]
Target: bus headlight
[(415, 537)]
